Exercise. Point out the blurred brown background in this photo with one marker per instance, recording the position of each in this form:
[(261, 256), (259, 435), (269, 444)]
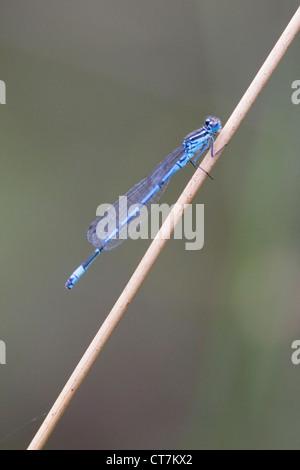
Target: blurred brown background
[(98, 92)]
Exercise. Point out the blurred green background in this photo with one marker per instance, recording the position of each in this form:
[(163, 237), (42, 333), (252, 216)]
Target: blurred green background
[(98, 92)]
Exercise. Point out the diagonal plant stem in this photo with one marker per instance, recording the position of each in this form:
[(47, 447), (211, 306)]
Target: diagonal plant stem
[(164, 234)]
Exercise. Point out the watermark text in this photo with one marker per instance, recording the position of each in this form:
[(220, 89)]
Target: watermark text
[(2, 352), (296, 354), (2, 92), (121, 221), (296, 95)]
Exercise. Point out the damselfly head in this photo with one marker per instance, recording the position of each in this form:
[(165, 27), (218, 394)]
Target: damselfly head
[(213, 124)]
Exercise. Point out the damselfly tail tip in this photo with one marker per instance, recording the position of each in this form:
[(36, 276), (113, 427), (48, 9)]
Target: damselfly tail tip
[(69, 284), (71, 281), (74, 277)]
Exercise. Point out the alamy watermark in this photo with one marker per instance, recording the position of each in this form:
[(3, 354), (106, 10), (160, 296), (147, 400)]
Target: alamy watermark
[(122, 220), (296, 354), (2, 352), (2, 92), (296, 94)]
